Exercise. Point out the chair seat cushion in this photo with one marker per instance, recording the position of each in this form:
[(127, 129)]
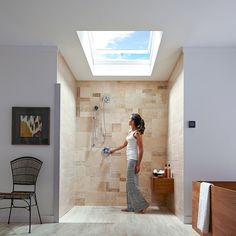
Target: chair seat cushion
[(16, 195)]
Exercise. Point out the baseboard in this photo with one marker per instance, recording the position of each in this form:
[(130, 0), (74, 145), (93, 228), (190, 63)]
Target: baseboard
[(187, 219), (24, 219), (48, 219)]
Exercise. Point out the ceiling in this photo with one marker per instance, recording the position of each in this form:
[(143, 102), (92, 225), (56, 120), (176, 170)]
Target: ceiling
[(185, 23)]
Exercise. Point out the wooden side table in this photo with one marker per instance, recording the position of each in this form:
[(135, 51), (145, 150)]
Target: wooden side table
[(162, 185)]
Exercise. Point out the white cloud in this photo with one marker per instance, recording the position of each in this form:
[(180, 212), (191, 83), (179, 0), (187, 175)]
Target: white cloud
[(103, 38)]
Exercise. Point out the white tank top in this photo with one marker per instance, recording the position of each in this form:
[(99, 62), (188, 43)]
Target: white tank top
[(132, 147)]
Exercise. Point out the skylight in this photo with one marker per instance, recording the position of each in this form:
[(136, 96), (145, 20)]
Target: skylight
[(120, 53)]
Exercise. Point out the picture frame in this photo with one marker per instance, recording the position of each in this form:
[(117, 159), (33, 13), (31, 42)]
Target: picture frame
[(30, 125)]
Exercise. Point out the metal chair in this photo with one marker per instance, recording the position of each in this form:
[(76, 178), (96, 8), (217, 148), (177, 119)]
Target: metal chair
[(25, 171)]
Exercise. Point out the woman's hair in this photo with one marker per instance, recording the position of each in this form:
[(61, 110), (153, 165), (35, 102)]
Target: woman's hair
[(139, 122)]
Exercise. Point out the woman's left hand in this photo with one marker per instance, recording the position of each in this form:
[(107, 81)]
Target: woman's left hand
[(137, 168), (111, 152)]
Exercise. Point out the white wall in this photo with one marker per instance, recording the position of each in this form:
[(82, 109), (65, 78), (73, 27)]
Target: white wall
[(27, 78), (210, 99)]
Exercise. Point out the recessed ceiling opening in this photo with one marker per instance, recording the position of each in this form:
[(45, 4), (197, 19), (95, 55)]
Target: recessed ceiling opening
[(120, 53)]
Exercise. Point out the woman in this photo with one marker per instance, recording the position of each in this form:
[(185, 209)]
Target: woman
[(134, 142)]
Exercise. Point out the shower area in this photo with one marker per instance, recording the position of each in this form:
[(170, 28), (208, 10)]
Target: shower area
[(103, 111), (94, 116)]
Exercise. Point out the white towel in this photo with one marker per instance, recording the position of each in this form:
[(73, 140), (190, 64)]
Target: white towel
[(203, 219)]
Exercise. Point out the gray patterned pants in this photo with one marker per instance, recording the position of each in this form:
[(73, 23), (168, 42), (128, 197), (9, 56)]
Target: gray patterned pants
[(135, 199)]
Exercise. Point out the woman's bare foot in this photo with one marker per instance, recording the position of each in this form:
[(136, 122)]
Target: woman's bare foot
[(125, 210), (142, 211)]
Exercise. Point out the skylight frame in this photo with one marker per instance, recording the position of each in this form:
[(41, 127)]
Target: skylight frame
[(121, 67)]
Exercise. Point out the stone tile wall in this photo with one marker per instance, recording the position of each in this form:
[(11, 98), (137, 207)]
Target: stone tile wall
[(176, 136), (67, 136), (101, 181)]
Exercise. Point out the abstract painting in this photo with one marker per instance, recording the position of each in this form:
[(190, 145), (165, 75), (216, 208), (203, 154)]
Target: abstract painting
[(30, 125)]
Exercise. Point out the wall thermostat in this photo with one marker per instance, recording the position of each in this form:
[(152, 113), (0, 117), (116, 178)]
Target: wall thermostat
[(192, 124)]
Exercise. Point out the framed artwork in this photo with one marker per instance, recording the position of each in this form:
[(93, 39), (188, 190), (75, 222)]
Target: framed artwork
[(31, 125)]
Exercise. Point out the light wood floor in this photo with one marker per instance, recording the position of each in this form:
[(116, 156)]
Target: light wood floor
[(107, 221)]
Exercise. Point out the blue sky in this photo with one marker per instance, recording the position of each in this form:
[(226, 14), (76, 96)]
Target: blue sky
[(136, 40), (122, 40)]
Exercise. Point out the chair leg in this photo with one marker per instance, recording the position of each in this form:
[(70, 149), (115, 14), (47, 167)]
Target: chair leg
[(35, 198), (9, 218), (30, 215)]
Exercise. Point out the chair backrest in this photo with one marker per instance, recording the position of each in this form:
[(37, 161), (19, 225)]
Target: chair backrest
[(25, 170)]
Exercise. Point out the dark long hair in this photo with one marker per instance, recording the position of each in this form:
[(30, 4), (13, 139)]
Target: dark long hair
[(139, 122)]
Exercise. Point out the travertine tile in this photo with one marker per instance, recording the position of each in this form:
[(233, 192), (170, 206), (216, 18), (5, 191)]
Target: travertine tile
[(97, 198), (85, 124), (150, 99), (116, 127), (122, 186), (175, 137), (146, 166), (79, 201), (67, 135)]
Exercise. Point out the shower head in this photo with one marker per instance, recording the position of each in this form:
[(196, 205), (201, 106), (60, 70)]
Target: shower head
[(106, 99)]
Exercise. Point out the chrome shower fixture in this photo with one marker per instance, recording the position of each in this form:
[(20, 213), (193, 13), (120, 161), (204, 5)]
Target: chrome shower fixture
[(100, 132), (106, 99), (95, 109), (105, 151)]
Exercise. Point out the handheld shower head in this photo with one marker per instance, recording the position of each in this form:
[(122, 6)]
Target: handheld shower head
[(95, 109)]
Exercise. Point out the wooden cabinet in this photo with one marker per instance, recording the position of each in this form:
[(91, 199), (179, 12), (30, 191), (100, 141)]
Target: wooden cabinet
[(162, 185), (222, 207)]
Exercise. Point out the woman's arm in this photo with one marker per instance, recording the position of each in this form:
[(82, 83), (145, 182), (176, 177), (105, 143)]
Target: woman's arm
[(119, 148), (140, 151)]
